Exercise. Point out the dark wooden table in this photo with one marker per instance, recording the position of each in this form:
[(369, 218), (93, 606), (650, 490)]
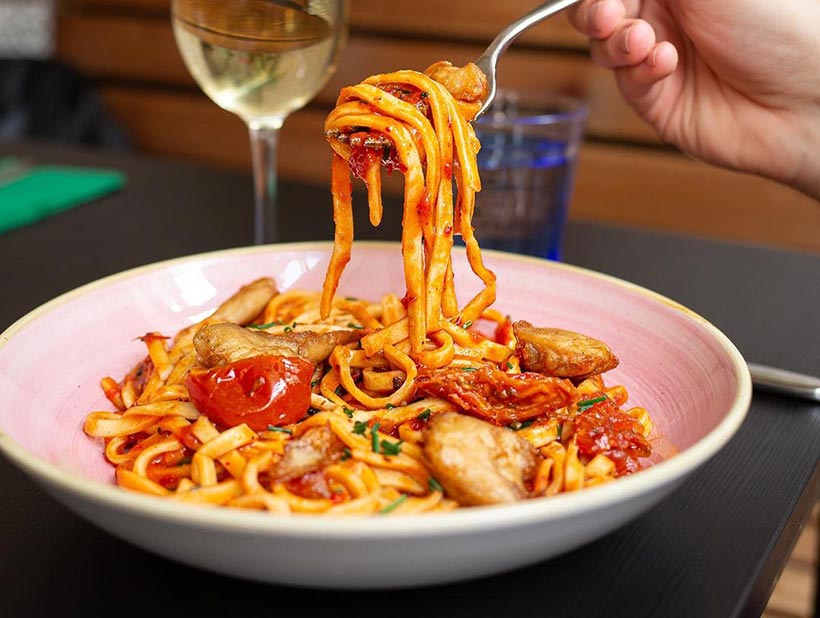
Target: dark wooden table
[(714, 548)]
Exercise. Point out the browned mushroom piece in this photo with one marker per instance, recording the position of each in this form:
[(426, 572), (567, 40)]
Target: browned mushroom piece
[(315, 449), (561, 353), (478, 463), (240, 308), (220, 344), (467, 83)]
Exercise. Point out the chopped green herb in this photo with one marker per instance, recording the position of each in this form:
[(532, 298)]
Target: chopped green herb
[(469, 368), (468, 324), (264, 326), (588, 403), (359, 427), (346, 454), (393, 504), (287, 329), (425, 415), (374, 437), (389, 406), (509, 365), (279, 429), (434, 485), (339, 390), (293, 325), (348, 411), (424, 94), (518, 425), (356, 326), (391, 448), (314, 383)]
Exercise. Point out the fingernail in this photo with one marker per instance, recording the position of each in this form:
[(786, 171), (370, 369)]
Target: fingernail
[(594, 13), (625, 41), (652, 61)]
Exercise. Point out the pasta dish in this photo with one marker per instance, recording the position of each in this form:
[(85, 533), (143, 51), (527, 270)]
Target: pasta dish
[(302, 401)]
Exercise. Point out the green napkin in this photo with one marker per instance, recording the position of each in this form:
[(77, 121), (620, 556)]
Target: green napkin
[(44, 190)]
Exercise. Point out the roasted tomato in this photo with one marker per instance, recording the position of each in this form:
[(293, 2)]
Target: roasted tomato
[(259, 391), (496, 396), (603, 428)]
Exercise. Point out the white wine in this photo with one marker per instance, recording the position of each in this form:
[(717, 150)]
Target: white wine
[(257, 58)]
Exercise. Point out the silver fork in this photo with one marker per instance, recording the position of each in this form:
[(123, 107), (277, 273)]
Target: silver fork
[(488, 61)]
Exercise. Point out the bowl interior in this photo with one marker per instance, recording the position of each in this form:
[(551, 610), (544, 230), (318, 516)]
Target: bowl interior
[(672, 362)]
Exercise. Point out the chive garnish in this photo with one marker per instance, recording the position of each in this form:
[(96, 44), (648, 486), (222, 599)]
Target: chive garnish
[(280, 429), (391, 448), (264, 326), (509, 365), (469, 368), (434, 485), (356, 326), (468, 324), (389, 406), (346, 454), (425, 415), (359, 427), (393, 504), (374, 437), (585, 405), (518, 425), (348, 411), (314, 383), (339, 390), (287, 329)]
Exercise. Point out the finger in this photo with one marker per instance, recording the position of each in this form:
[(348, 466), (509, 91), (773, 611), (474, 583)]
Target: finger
[(629, 45), (638, 83), (597, 18)]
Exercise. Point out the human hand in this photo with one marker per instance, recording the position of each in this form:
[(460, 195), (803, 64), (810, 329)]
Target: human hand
[(735, 83)]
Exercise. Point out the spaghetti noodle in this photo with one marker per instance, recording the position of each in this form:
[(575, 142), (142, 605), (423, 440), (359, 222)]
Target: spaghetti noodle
[(304, 402)]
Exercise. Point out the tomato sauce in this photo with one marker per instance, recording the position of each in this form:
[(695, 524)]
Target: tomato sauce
[(603, 428)]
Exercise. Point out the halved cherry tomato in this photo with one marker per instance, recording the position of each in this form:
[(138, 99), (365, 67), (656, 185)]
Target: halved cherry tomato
[(259, 391)]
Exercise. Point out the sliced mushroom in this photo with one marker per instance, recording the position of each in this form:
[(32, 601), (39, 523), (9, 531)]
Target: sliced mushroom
[(561, 353), (219, 344), (467, 83), (317, 448), (478, 463), (240, 308)]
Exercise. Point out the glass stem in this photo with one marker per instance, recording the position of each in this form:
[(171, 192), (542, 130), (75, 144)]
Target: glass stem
[(264, 141)]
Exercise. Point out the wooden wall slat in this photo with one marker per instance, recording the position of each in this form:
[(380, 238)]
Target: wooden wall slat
[(107, 46), (453, 19), (622, 185)]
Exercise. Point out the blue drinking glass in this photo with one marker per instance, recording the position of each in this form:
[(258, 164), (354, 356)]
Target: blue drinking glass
[(529, 150)]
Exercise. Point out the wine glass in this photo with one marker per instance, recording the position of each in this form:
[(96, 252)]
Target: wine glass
[(261, 60)]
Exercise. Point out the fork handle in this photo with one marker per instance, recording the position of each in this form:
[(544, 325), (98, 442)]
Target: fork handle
[(511, 32), (785, 382)]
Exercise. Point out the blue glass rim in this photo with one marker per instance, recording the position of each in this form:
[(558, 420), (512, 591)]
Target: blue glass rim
[(576, 109)]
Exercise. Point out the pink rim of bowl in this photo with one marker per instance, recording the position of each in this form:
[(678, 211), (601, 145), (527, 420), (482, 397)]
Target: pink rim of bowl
[(582, 297)]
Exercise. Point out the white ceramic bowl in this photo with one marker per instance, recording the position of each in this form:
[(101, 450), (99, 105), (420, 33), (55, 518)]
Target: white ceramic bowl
[(673, 362)]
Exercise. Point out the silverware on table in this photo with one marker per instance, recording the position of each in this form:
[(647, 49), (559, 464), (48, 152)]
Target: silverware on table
[(785, 382), (488, 61)]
